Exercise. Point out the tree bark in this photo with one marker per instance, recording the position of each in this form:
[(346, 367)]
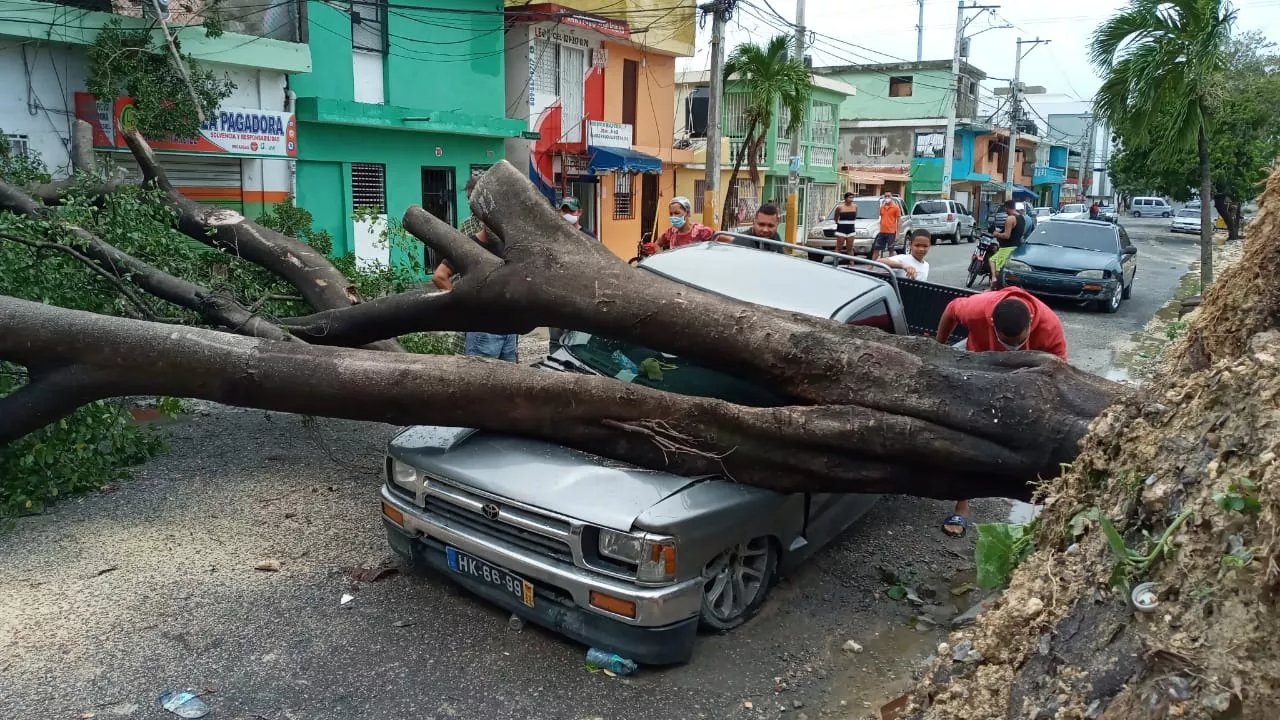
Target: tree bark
[(1206, 214), (815, 448)]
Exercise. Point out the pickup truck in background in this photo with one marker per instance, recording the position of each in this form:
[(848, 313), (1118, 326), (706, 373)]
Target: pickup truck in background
[(629, 559)]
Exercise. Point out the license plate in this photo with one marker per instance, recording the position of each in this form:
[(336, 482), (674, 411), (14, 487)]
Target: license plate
[(517, 586)]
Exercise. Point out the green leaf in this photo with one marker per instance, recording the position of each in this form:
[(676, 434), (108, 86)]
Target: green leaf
[(897, 592), (996, 555), (1118, 547)]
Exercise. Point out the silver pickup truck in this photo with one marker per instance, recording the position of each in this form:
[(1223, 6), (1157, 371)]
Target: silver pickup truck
[(628, 559)]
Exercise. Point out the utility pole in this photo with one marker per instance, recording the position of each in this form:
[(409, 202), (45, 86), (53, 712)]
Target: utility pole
[(711, 191), (793, 174), (920, 32), (1015, 114), (949, 142), (1087, 166)]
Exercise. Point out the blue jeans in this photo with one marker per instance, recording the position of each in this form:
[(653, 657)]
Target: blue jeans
[(501, 347)]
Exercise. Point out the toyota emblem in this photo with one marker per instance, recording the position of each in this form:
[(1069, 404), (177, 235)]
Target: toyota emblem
[(490, 511)]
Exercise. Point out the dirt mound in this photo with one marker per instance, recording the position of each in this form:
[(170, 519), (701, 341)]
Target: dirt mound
[(1177, 487)]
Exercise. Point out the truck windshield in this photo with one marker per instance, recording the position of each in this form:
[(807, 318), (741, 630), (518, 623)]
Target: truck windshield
[(639, 365)]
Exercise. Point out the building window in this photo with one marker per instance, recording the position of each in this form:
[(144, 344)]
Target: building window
[(823, 130), (900, 86), (877, 145), (559, 72), (19, 145), (368, 186), (735, 115), (699, 193), (368, 48), (742, 200), (623, 206), (630, 79)]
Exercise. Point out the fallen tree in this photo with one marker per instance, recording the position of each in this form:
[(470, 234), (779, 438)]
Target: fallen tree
[(950, 424), (1176, 488)]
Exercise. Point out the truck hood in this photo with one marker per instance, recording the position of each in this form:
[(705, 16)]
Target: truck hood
[(557, 479)]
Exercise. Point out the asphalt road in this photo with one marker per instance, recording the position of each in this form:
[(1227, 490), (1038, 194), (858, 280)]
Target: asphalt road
[(110, 599)]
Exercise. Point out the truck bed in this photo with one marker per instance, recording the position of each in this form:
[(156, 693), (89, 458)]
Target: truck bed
[(923, 304)]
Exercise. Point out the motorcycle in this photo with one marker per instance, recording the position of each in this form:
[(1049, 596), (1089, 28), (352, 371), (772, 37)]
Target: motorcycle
[(644, 249), (980, 263)]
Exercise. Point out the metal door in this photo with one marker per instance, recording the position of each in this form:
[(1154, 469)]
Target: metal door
[(440, 198)]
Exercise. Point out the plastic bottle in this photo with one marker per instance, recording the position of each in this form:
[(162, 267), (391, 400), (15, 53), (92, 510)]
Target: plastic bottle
[(184, 704), (616, 664)]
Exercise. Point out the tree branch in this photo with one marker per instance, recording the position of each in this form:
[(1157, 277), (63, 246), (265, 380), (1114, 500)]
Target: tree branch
[(827, 448), (114, 280), (83, 162), (49, 396), (110, 262)]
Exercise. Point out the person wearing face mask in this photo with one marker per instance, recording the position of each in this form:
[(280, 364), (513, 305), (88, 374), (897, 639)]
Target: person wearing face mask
[(569, 210), (683, 230), (1001, 320)]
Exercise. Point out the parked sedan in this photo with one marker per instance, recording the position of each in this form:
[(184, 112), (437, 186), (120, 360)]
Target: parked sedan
[(1086, 260), (1186, 220)]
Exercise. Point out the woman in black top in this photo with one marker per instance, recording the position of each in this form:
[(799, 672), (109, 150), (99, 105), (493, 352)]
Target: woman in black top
[(846, 214)]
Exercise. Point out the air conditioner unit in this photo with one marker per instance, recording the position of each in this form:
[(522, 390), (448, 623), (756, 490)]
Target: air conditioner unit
[(155, 9)]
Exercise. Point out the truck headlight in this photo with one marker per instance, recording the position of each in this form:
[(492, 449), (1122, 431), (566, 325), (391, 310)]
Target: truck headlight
[(653, 556), (406, 476), (1016, 265), (1091, 274)]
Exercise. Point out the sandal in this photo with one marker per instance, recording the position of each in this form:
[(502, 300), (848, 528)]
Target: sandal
[(955, 520)]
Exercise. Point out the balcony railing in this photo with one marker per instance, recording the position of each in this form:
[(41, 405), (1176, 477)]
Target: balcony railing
[(275, 19), (1047, 175)]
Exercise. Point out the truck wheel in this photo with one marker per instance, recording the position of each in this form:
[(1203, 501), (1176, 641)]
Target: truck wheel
[(736, 582)]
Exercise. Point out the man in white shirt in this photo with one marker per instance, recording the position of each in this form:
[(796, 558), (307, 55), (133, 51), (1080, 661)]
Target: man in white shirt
[(913, 264)]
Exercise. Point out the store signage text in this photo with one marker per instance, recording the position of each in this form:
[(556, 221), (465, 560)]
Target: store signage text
[(563, 38), (240, 132), (607, 134)]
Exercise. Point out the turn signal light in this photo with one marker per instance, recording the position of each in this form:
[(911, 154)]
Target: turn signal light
[(391, 512), (617, 606), (666, 555)]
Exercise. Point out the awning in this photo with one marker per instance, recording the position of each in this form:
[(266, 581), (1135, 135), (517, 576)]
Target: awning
[(1023, 190), (608, 160)]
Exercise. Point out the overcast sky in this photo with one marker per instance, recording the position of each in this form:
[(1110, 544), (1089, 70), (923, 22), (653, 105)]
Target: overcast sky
[(878, 31)]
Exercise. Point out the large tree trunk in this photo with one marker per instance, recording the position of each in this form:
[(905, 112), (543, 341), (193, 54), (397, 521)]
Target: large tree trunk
[(1206, 211), (1229, 212), (950, 424)]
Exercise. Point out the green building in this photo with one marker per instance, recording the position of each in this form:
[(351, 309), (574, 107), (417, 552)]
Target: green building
[(819, 156), (401, 107)]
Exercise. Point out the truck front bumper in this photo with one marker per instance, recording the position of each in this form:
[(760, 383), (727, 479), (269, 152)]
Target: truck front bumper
[(662, 633)]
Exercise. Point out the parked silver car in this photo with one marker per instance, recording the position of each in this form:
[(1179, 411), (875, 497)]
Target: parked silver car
[(615, 556), (866, 228), (944, 219)]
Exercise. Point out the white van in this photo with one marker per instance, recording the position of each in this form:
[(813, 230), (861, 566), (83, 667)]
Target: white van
[(1150, 207)]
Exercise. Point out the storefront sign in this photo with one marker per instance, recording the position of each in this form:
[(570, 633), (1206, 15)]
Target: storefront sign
[(530, 135), (607, 134), (238, 132), (599, 57), (571, 17), (560, 36)]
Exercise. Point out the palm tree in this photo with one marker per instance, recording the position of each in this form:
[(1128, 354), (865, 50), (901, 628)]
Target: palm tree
[(1162, 64), (769, 77)]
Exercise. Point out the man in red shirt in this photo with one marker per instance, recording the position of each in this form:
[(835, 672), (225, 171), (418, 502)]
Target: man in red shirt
[(1008, 319)]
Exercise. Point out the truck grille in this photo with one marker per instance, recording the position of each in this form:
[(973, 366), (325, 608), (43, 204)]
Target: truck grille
[(530, 531), (1059, 271)]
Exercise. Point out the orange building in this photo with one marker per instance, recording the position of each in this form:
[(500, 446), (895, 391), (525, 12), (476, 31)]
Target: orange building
[(600, 105)]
